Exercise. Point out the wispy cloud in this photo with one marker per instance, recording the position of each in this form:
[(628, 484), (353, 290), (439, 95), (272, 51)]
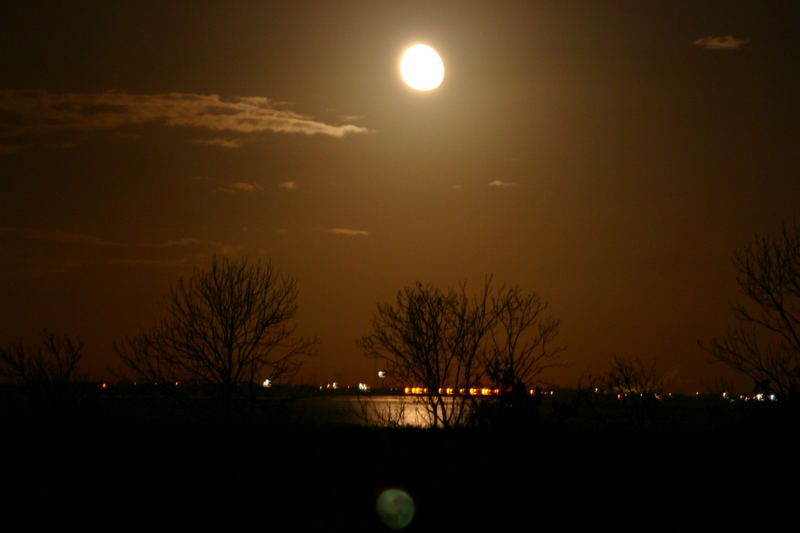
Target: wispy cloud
[(239, 187), (288, 185), (726, 42), (222, 143), (35, 251), (28, 115), (498, 184), (347, 232), (243, 186), (11, 235)]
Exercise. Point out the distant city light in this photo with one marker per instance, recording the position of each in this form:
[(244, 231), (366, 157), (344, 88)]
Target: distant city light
[(363, 387), (267, 383), (472, 391), (381, 374)]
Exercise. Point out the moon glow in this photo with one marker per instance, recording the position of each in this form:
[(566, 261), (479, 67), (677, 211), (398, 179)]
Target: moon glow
[(422, 68)]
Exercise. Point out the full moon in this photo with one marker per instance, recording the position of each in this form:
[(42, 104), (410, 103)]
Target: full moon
[(422, 68)]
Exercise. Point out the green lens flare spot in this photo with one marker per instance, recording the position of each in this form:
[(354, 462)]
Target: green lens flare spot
[(395, 508)]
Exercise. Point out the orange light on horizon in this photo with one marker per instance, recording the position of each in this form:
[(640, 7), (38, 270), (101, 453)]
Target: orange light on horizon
[(450, 391)]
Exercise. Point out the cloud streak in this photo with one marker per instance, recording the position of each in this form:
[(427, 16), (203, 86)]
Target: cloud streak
[(347, 232), (726, 42), (26, 115), (222, 143), (33, 251), (498, 184), (288, 185), (239, 187)]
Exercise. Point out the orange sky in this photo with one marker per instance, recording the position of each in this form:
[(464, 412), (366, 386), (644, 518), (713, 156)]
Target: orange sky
[(610, 156)]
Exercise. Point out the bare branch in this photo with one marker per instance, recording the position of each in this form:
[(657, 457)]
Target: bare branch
[(52, 363), (521, 340), (765, 343)]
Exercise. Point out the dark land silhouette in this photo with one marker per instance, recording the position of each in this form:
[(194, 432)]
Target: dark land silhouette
[(127, 458)]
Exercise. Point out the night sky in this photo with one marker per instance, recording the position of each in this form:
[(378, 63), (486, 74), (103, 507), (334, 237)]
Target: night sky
[(608, 155)]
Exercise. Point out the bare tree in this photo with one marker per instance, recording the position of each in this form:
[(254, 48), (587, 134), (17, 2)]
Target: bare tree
[(633, 376), (433, 339), (448, 342), (521, 340), (765, 342), (52, 363), (637, 385), (45, 371), (230, 325)]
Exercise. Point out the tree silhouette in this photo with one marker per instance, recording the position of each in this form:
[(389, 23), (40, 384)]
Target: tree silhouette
[(448, 342), (633, 376), (637, 385), (53, 362), (433, 339), (45, 371), (521, 340), (230, 326), (765, 343)]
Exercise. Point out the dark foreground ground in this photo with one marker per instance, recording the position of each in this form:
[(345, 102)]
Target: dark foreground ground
[(138, 475)]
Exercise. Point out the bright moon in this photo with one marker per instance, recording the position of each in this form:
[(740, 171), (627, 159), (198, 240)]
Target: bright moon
[(422, 68)]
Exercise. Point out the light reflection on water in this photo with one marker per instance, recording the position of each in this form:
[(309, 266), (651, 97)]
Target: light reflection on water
[(386, 411), (391, 411)]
